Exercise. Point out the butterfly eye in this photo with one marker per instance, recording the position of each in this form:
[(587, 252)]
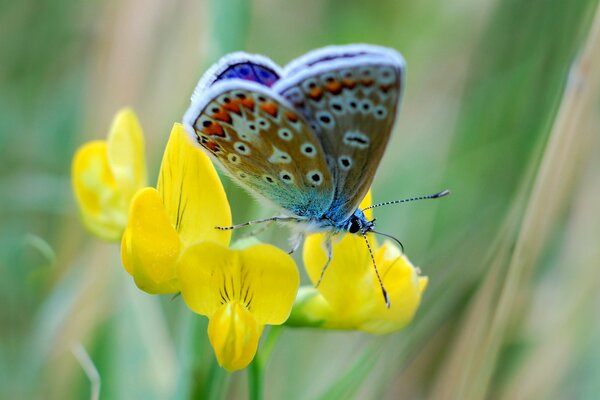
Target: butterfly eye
[(354, 225)]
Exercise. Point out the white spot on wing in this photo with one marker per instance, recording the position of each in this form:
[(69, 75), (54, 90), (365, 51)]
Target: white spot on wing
[(356, 139), (315, 177), (241, 148), (285, 134), (308, 149), (279, 157)]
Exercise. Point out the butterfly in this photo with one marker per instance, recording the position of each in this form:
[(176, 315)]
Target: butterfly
[(308, 137)]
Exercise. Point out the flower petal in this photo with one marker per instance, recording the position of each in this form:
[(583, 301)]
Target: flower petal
[(151, 245), (192, 191), (367, 202), (126, 153), (234, 333), (346, 284), (262, 278), (103, 208), (404, 286), (274, 279)]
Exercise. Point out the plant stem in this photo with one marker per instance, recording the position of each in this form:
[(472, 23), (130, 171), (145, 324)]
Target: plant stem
[(256, 368)]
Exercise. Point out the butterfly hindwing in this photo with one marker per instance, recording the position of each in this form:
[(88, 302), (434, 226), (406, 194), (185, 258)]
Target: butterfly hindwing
[(350, 96), (239, 65), (264, 144)]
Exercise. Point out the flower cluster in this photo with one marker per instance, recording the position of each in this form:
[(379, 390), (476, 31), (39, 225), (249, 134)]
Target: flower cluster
[(169, 244)]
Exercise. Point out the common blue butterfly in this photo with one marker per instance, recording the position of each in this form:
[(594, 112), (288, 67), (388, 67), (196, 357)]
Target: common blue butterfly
[(307, 137)]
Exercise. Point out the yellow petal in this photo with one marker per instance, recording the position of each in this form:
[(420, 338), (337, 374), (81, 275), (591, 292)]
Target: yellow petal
[(234, 333), (103, 208), (346, 284), (404, 286), (192, 191), (152, 245), (262, 278), (367, 202), (126, 153), (126, 251)]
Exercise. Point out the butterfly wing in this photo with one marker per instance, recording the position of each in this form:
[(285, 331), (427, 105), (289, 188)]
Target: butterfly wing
[(239, 65), (262, 142), (350, 96)]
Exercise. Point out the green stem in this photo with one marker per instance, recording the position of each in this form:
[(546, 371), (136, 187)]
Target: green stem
[(257, 367), (255, 380)]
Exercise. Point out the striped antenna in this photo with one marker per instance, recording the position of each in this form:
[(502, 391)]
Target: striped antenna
[(431, 196)]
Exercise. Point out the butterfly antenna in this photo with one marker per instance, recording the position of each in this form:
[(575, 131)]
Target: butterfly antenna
[(385, 295), (391, 237), (431, 196)]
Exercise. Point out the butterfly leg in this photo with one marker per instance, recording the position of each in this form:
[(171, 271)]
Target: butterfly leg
[(297, 241), (258, 231), (329, 249), (258, 221)]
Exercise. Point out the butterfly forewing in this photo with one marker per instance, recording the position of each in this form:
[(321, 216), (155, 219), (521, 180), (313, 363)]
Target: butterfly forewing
[(350, 98), (263, 143)]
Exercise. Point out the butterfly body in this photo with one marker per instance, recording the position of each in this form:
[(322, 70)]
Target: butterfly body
[(308, 137)]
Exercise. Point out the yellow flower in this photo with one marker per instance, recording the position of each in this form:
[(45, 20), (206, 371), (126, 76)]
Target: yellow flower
[(349, 296), (240, 291), (189, 203), (106, 174)]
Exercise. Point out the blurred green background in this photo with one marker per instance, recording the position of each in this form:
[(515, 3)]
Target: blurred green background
[(501, 107)]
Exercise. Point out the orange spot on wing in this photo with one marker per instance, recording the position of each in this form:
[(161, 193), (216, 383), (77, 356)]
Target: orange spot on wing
[(222, 115), (367, 82), (291, 116), (248, 103), (212, 146), (334, 87), (270, 108), (385, 88), (214, 130), (233, 106), (349, 83), (316, 93)]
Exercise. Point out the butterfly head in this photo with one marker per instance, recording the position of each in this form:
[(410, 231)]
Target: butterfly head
[(358, 223)]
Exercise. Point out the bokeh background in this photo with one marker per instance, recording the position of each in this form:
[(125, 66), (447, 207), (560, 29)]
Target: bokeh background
[(501, 107)]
